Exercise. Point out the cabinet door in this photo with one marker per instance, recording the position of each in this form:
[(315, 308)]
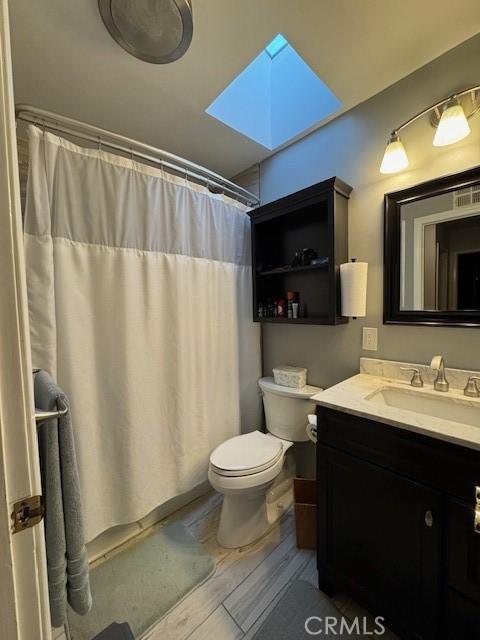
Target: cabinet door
[(463, 550), (380, 540), (463, 618)]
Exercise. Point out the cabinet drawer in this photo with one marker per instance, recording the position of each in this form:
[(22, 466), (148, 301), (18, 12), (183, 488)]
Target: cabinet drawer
[(450, 468), (463, 550)]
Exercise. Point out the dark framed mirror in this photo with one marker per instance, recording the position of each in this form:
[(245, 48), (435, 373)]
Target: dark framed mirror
[(432, 253)]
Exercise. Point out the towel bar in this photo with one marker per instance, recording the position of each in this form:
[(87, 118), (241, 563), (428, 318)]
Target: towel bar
[(45, 416)]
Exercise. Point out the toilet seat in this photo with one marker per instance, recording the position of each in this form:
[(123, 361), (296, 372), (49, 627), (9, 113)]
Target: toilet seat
[(246, 454)]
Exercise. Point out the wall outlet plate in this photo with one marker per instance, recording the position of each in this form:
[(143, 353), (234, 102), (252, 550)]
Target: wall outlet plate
[(370, 339)]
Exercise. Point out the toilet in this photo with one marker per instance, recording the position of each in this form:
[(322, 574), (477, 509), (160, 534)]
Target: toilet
[(254, 471)]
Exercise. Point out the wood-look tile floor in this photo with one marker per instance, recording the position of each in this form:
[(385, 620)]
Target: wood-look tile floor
[(248, 582)]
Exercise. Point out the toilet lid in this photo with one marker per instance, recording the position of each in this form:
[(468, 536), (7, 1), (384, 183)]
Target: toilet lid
[(246, 454)]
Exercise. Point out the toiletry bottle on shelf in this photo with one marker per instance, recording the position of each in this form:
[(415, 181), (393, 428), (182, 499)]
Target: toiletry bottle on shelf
[(281, 308), (296, 260), (292, 296)]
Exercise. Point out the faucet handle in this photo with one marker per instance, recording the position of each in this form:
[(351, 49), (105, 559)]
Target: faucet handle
[(471, 388), (416, 380)]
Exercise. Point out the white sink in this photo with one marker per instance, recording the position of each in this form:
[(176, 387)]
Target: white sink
[(445, 406)]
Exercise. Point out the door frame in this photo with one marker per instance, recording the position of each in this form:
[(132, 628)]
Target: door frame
[(24, 602), (419, 225)]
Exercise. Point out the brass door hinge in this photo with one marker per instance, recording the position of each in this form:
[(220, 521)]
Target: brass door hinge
[(27, 513)]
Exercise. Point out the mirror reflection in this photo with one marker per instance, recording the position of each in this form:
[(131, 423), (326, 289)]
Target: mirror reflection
[(440, 252)]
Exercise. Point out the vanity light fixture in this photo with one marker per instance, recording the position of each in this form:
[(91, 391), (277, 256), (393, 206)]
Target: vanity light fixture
[(395, 158), (450, 119), (453, 125)]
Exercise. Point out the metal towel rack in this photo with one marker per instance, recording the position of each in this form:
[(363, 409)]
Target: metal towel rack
[(44, 416)]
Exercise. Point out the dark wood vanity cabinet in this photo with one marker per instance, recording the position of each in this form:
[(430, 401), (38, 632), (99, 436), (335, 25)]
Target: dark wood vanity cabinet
[(396, 526), (377, 544)]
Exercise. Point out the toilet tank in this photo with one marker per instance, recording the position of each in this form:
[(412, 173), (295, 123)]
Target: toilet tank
[(287, 409)]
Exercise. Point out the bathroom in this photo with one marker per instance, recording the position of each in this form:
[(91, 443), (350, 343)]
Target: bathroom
[(146, 188)]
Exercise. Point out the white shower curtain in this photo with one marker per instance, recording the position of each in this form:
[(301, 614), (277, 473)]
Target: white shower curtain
[(139, 287)]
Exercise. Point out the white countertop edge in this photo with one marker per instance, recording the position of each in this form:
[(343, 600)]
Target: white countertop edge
[(424, 431), (349, 397)]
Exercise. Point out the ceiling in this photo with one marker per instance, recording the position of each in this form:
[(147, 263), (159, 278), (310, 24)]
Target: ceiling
[(65, 60)]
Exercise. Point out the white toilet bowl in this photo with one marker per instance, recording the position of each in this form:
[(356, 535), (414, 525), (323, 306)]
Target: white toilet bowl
[(254, 471)]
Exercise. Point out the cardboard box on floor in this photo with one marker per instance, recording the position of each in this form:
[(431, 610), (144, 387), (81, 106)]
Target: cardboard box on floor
[(305, 496)]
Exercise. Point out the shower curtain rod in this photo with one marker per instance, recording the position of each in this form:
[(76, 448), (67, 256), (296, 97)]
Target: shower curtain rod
[(103, 137)]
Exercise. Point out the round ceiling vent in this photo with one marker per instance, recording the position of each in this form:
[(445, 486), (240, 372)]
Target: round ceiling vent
[(157, 31)]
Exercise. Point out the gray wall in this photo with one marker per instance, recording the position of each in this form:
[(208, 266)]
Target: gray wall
[(351, 147)]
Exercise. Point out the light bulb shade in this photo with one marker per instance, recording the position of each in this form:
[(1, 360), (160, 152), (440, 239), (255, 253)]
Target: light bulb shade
[(453, 126), (395, 157)]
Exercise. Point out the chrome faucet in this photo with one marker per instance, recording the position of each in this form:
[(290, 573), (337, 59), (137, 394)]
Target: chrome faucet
[(441, 383)]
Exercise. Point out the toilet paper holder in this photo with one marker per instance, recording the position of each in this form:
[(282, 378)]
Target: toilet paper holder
[(353, 286)]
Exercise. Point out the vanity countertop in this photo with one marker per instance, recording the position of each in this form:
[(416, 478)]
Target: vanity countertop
[(352, 396)]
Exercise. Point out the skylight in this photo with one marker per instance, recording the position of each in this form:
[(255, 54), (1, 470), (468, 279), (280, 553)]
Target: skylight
[(276, 97), (276, 45)]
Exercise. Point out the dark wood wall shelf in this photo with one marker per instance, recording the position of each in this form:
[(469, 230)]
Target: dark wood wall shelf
[(307, 320), (278, 272), (314, 218)]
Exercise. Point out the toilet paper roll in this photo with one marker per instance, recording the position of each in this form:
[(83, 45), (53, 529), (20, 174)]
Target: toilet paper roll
[(312, 432), (353, 283)]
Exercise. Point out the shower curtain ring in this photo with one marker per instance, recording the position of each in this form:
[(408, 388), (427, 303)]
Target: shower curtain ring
[(131, 154), (99, 140)]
